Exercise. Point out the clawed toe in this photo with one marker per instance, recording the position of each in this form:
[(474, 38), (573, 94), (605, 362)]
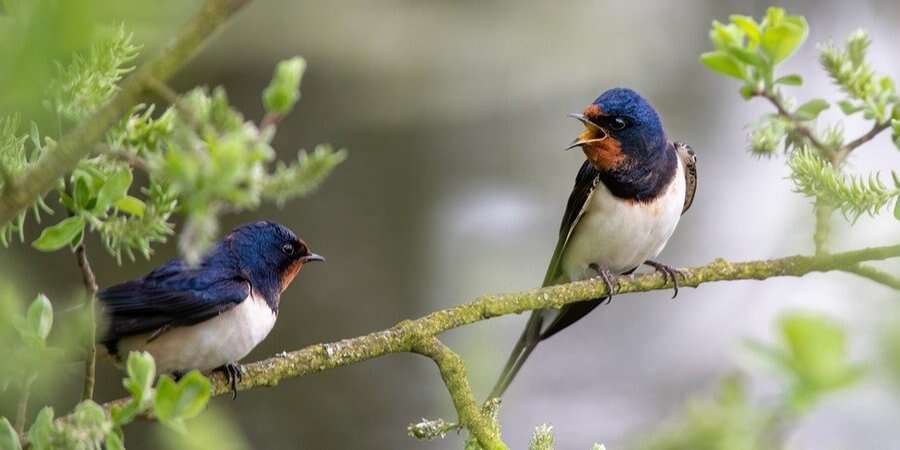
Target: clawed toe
[(234, 374), (609, 279), (669, 273)]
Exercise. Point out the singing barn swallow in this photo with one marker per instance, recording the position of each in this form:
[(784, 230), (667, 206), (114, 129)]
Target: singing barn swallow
[(210, 315), (627, 200)]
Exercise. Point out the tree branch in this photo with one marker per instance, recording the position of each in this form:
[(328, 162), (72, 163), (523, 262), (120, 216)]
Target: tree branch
[(875, 275), (453, 372), (90, 287), (852, 145), (416, 335), (78, 143)]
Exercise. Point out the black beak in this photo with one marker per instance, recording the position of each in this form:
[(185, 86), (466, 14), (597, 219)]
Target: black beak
[(312, 257)]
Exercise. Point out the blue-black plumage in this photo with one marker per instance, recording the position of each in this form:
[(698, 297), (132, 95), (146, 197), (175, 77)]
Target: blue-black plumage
[(627, 200), (212, 314)]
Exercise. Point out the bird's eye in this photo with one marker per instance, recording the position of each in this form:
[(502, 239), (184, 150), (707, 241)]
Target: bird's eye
[(288, 249), (619, 123)]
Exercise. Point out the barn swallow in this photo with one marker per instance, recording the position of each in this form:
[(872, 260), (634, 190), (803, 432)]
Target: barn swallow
[(210, 315), (627, 200)]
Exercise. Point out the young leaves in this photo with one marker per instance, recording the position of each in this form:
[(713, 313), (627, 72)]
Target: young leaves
[(813, 354), (749, 51), (9, 440), (60, 235), (284, 90), (177, 401)]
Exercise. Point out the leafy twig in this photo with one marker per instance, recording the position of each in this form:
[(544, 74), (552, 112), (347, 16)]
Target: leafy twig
[(22, 409), (77, 143)]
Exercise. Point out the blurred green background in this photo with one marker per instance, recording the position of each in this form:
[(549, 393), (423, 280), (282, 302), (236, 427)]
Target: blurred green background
[(455, 116)]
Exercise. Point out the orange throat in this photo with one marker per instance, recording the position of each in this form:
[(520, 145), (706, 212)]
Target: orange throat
[(605, 154), (287, 277)]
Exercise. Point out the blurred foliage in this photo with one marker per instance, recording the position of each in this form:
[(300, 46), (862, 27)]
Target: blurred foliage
[(201, 157), (211, 430), (751, 51), (810, 356), (88, 426)]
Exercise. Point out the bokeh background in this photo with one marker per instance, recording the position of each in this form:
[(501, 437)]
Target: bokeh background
[(455, 116)]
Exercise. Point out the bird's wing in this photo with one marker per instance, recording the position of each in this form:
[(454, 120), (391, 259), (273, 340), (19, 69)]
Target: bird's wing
[(689, 160), (585, 184), (173, 295)]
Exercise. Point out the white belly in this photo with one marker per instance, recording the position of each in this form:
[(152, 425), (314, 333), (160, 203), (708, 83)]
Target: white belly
[(620, 235), (226, 338)]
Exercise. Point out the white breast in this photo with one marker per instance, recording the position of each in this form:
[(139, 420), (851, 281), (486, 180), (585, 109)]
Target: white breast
[(620, 235), (228, 337)]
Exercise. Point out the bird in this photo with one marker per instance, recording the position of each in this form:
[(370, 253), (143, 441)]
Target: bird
[(209, 315), (628, 197)]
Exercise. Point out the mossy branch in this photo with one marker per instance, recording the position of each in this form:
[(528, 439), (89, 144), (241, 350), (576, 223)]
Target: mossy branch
[(23, 191), (453, 372), (418, 336)]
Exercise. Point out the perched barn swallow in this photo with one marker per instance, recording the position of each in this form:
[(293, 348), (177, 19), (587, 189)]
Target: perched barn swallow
[(210, 315), (628, 197)]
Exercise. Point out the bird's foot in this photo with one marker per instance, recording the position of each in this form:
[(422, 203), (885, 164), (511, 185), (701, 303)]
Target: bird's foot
[(234, 374), (669, 273), (609, 279)]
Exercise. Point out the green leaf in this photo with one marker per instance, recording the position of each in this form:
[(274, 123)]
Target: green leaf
[(811, 109), (748, 26), (774, 16), (781, 40), (41, 430), (141, 369), (790, 80), (82, 194), (284, 89), (724, 64), (59, 235), (40, 316), (114, 189), (746, 56), (897, 209), (175, 402), (131, 205), (9, 440), (114, 442), (848, 108)]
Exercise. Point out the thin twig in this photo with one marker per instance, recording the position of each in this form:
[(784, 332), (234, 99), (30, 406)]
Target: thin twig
[(90, 287), (875, 275), (824, 150), (270, 120), (171, 97), (41, 176), (22, 409), (852, 145), (453, 372)]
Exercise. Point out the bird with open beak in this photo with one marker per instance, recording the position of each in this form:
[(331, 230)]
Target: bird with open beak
[(627, 200), (210, 315)]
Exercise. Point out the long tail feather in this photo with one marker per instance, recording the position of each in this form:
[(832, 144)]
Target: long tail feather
[(524, 346)]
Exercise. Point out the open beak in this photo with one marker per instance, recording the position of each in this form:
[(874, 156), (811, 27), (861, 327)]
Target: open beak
[(593, 133), (312, 257)]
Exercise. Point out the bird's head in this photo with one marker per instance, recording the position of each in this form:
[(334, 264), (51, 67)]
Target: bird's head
[(269, 252), (621, 128)]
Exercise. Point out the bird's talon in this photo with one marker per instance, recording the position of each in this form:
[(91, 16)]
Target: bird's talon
[(609, 279), (234, 374), (669, 273)]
